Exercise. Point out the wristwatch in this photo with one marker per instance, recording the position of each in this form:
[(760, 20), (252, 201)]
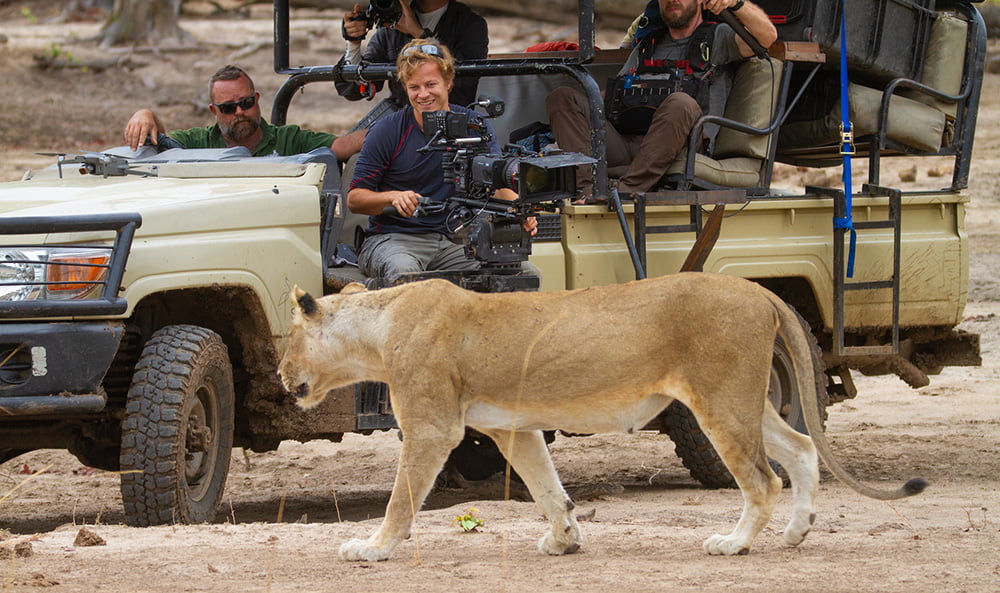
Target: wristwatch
[(738, 5)]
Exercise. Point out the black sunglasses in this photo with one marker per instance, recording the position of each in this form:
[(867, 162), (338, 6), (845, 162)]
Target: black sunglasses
[(229, 107)]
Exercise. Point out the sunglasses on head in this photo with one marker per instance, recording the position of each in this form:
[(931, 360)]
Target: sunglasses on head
[(427, 48), (229, 107)]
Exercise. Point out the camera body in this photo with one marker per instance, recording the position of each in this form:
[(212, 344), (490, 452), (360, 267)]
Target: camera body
[(496, 235), (383, 12)]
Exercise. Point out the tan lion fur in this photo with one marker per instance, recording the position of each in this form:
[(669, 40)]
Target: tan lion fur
[(605, 359)]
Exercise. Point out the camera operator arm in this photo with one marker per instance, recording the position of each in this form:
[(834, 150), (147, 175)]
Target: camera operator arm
[(373, 203)]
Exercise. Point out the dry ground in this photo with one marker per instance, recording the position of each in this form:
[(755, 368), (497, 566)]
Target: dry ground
[(287, 511)]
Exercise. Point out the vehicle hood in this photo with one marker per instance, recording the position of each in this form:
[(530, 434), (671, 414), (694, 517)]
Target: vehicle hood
[(166, 204)]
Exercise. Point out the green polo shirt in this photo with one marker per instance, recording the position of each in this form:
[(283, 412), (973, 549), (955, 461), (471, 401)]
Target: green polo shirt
[(284, 140)]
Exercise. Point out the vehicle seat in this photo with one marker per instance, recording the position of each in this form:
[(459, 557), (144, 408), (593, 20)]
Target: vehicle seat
[(917, 122)]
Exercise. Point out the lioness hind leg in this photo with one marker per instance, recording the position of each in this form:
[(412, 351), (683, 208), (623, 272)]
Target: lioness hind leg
[(423, 455), (527, 453), (737, 439), (797, 454)]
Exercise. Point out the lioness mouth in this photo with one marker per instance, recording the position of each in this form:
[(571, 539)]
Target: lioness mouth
[(302, 390)]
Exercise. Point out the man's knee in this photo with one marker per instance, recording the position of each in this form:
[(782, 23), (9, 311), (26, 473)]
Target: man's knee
[(681, 106), (382, 257), (561, 99)]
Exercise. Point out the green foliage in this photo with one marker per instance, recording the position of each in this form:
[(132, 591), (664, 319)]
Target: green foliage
[(55, 51), (469, 521), (26, 13)]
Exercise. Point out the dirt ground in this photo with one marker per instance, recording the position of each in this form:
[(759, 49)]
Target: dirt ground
[(286, 512)]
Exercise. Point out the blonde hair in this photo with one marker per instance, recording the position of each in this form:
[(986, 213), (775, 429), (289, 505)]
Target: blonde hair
[(413, 55)]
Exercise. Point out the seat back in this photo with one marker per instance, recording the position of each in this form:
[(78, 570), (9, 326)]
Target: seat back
[(752, 101), (739, 158), (943, 62)]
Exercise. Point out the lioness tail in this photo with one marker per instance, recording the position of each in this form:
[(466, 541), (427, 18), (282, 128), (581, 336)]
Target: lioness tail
[(793, 332)]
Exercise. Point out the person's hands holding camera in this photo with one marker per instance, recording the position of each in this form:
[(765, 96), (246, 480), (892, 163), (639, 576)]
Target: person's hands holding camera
[(530, 226), (355, 27), (405, 202), (408, 23)]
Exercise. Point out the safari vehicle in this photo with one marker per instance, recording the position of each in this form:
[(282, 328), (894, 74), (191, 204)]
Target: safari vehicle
[(144, 296)]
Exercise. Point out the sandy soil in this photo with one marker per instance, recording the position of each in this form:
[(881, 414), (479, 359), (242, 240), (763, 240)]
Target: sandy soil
[(287, 511)]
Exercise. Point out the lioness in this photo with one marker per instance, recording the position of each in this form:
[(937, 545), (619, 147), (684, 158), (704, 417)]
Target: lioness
[(594, 360)]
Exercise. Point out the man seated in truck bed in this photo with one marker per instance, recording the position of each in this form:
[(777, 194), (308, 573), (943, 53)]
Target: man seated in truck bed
[(674, 46)]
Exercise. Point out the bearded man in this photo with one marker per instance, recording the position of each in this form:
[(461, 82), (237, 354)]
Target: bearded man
[(679, 58)]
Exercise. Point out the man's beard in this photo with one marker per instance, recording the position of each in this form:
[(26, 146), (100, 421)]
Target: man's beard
[(240, 129), (683, 19)]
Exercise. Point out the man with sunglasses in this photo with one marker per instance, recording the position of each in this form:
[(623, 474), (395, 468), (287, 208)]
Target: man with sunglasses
[(391, 171), (238, 122)]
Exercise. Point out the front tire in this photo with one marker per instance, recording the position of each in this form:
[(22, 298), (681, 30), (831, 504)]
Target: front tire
[(177, 434)]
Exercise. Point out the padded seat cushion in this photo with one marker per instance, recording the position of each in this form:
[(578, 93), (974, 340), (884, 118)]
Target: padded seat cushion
[(731, 172)]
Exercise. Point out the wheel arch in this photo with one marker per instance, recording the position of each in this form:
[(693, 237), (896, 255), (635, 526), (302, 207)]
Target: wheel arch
[(238, 316)]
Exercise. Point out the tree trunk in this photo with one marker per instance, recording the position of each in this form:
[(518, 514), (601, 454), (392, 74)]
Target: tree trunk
[(144, 22)]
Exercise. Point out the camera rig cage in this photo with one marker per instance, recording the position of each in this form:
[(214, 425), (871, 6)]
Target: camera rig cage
[(493, 228)]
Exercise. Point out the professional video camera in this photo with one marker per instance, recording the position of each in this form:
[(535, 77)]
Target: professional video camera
[(382, 12), (496, 236)]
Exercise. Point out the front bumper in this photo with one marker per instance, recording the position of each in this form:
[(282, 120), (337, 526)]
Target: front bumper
[(55, 368)]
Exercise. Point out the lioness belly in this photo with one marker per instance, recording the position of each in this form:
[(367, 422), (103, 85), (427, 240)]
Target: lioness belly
[(584, 415)]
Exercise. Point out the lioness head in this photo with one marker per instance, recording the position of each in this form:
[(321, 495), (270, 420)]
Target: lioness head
[(318, 357)]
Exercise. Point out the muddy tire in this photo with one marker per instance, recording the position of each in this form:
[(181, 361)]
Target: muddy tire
[(177, 434), (696, 451)]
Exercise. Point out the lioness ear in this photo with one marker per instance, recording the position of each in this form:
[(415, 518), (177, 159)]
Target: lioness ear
[(353, 287), (335, 286), (304, 301)]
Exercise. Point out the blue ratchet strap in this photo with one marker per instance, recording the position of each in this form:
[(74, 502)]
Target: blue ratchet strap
[(846, 148)]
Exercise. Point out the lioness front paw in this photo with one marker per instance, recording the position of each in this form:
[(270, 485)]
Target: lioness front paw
[(722, 545), (553, 547), (358, 549)]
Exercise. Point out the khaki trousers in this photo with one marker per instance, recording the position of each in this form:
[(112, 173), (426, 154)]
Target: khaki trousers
[(648, 156)]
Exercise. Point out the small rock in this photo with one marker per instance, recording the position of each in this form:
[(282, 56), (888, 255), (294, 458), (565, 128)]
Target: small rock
[(85, 537), (18, 550)]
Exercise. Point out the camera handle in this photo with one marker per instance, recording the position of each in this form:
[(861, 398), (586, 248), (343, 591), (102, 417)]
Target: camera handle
[(734, 23), (421, 202)]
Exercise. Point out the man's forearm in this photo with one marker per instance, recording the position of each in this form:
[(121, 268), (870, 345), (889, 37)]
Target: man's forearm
[(757, 23)]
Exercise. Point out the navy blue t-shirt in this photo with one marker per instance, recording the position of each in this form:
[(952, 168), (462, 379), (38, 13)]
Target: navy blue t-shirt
[(389, 161)]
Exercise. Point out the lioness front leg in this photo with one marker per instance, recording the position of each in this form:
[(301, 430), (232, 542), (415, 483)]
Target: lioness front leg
[(422, 457), (528, 454)]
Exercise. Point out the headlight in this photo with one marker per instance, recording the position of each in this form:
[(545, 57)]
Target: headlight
[(52, 273)]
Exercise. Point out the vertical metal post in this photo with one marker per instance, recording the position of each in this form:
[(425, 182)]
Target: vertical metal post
[(586, 31), (281, 28)]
